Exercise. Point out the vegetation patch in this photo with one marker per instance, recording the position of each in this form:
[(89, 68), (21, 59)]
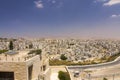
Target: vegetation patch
[(112, 58), (37, 52), (2, 51), (68, 63), (105, 78), (88, 62), (63, 57), (63, 75)]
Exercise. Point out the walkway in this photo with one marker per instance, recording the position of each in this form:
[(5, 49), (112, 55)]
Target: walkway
[(55, 70)]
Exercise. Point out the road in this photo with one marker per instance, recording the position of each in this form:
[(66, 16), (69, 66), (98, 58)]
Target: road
[(97, 69)]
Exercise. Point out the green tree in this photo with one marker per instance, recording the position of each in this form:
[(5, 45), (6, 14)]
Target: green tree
[(11, 45), (63, 57), (30, 46)]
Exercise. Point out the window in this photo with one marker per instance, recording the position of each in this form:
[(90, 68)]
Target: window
[(44, 67), (30, 70), (6, 75)]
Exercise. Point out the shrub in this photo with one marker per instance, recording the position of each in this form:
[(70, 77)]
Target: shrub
[(2, 51), (37, 52), (63, 57), (105, 79), (63, 75)]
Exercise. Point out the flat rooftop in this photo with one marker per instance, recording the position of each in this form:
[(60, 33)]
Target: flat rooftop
[(17, 56)]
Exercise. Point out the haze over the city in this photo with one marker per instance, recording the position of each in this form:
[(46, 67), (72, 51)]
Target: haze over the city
[(60, 18)]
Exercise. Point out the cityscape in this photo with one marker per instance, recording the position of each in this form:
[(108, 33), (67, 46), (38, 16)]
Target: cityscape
[(82, 59), (59, 40)]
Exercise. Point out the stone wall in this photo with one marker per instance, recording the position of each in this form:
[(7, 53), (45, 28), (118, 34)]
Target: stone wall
[(35, 61), (19, 69)]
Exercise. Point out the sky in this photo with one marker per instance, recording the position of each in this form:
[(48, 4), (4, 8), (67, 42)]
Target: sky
[(60, 18)]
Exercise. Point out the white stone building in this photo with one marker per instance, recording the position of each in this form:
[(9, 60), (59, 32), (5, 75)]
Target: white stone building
[(21, 66)]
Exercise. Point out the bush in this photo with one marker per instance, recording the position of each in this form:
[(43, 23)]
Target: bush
[(2, 51), (63, 75), (113, 57), (37, 52), (63, 57), (105, 79)]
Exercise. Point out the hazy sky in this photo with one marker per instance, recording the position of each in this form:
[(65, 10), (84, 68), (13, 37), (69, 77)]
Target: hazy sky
[(60, 18)]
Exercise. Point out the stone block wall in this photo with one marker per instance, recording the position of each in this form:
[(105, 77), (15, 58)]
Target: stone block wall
[(19, 69), (35, 61)]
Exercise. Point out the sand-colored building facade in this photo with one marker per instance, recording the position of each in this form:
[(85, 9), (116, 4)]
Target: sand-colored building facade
[(23, 67)]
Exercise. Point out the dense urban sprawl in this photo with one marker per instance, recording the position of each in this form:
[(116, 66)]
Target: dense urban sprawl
[(73, 49)]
